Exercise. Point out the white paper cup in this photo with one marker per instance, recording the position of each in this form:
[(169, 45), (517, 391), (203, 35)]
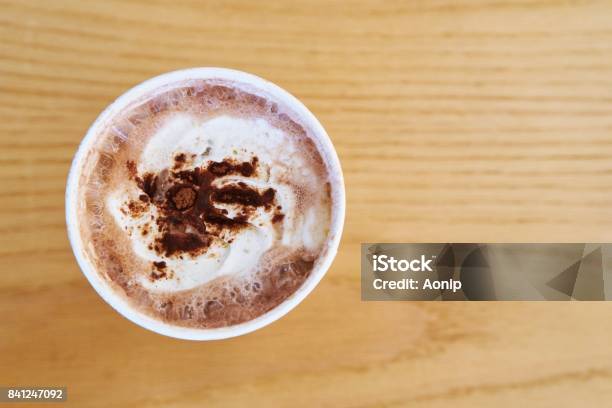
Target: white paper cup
[(118, 301)]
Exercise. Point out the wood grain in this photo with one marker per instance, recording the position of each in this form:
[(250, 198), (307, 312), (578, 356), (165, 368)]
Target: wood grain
[(454, 121)]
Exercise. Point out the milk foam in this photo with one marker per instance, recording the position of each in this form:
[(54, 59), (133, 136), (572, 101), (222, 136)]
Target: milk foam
[(282, 166)]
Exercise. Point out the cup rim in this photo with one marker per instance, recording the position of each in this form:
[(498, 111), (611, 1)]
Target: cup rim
[(118, 302)]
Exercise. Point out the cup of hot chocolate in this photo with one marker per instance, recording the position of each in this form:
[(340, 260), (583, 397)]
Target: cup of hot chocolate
[(205, 203)]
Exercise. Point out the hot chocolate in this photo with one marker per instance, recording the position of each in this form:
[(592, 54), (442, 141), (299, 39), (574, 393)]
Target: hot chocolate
[(204, 203)]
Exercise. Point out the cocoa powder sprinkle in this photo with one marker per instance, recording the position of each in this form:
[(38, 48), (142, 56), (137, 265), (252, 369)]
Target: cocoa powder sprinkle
[(184, 198), (188, 218)]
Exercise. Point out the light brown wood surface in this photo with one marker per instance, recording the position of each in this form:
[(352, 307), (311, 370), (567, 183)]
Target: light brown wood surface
[(455, 121)]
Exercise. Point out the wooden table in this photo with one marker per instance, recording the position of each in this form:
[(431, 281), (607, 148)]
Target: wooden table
[(454, 121)]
